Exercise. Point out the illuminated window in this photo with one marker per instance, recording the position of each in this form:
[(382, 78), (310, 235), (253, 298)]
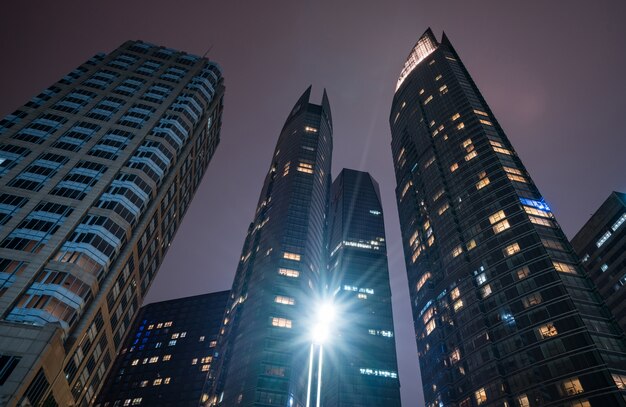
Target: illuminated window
[(288, 273), (443, 90), (522, 401), (541, 221), (159, 326), (481, 279), (480, 395), (175, 336), (143, 383), (536, 212), (430, 326), (212, 344), (416, 252), (604, 267), (443, 208), (201, 339), (438, 77), (150, 327), (421, 91), (286, 169), (428, 99), (466, 143), (455, 293), (471, 244), (205, 368), (137, 401), (281, 322), (485, 291), (511, 170), (460, 126), (167, 380), (482, 183), (471, 155), (291, 256), (455, 356), (167, 357), (620, 381), (171, 343), (564, 267), (603, 239), (456, 251), (310, 129), (500, 227), (511, 249), (502, 150), (423, 280), (183, 334), (497, 217), (456, 116), (157, 382), (167, 324), (406, 188), (135, 362), (438, 195), (619, 222), (522, 273), (206, 359), (480, 112), (284, 300), (429, 162), (431, 240), (430, 312), (458, 305), (487, 122), (547, 331), (362, 296), (571, 387), (154, 359), (532, 300), (438, 130), (454, 167), (305, 167), (517, 178)]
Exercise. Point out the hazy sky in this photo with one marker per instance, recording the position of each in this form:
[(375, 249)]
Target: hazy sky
[(552, 72)]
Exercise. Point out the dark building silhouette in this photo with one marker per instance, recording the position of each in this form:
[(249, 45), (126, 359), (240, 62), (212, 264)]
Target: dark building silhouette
[(504, 313), (265, 351), (96, 173), (601, 245), (166, 358), (361, 356)]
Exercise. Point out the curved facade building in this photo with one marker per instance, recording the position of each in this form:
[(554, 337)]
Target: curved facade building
[(266, 336), (504, 314)]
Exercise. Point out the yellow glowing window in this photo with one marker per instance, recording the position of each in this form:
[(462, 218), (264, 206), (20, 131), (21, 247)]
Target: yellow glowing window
[(564, 267), (534, 211), (281, 322), (471, 155), (460, 126), (455, 116), (157, 382), (154, 359), (471, 244), (310, 129), (421, 91), (620, 381), (443, 208), (547, 331), (517, 178), (455, 293), (291, 256), (280, 299), (401, 155), (457, 251), (406, 188), (423, 280), (416, 253), (205, 368), (444, 89), (167, 357), (438, 77), (167, 324), (512, 170), (466, 143), (481, 396), (495, 143), (428, 99), (289, 273), (143, 383), (458, 305), (159, 326), (426, 224), (455, 356), (497, 217), (571, 387), (500, 227), (305, 167), (512, 249), (430, 312), (194, 361), (502, 150), (431, 240), (413, 238), (213, 344), (541, 221), (430, 327), (485, 291), (523, 401), (135, 362), (432, 123), (438, 195), (286, 169), (440, 128), (167, 380), (429, 162), (454, 167), (486, 122), (151, 326), (482, 183), (480, 112), (522, 273)]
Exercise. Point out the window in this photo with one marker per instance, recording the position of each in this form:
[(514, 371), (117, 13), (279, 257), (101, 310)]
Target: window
[(205, 368), (288, 273), (157, 382), (458, 305), (571, 387), (564, 267), (134, 362), (438, 194), (291, 256), (310, 129), (167, 357), (485, 291), (281, 322), (522, 401), (522, 273), (443, 89), (486, 122), (455, 356), (620, 381), (619, 222), (480, 395), (443, 208), (547, 331), (430, 326), (482, 183), (497, 217), (481, 279), (153, 359), (454, 167), (280, 299), (541, 221), (460, 126), (455, 293), (511, 249), (471, 155), (423, 280), (455, 116), (532, 300), (517, 178), (500, 227), (603, 238), (471, 244), (457, 251), (428, 99), (305, 168)]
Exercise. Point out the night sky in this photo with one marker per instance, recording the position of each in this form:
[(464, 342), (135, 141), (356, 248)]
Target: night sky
[(552, 72)]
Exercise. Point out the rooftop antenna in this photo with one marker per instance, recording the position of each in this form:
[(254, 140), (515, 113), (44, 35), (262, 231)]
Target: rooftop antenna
[(207, 51)]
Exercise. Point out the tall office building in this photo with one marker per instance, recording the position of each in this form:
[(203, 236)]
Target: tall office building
[(96, 173), (361, 358), (503, 312), (601, 245), (265, 353), (167, 355)]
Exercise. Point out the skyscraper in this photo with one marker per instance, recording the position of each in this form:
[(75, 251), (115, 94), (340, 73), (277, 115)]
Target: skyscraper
[(601, 245), (167, 355), (362, 356), (504, 314), (97, 172), (263, 360)]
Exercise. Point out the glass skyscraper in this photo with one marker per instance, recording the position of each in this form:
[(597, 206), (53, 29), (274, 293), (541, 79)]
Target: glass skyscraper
[(504, 314), (96, 174), (361, 360)]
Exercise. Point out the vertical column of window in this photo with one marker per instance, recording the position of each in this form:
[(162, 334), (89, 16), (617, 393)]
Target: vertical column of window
[(111, 144), (153, 158), (76, 137), (173, 74), (106, 108), (203, 86), (40, 129), (73, 76), (157, 93), (93, 245), (9, 271), (11, 120), (173, 129), (74, 101), (189, 106), (10, 156), (101, 79), (43, 97), (130, 86), (136, 116), (79, 180), (9, 206), (123, 61), (34, 177), (149, 67), (128, 195), (32, 233)]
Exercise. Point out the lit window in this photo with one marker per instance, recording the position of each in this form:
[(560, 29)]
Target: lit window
[(481, 279), (502, 226), (497, 217), (438, 77), (536, 212), (167, 380), (159, 326), (532, 300), (137, 401), (213, 344), (205, 368), (487, 122), (166, 358), (443, 90), (564, 267), (443, 208), (157, 382), (310, 129), (458, 305), (460, 126), (482, 183), (135, 362), (455, 356), (480, 395), (502, 150), (471, 244), (305, 167), (194, 361), (547, 331), (291, 256), (143, 383), (511, 249), (456, 116), (167, 324), (172, 343), (431, 240), (201, 339), (480, 112), (284, 300), (430, 327), (604, 267), (175, 336), (522, 401), (603, 239), (620, 381), (183, 334), (619, 222), (541, 221), (430, 312), (522, 273), (456, 251), (362, 296), (406, 188), (429, 162), (511, 170), (466, 143), (455, 293), (288, 273), (423, 280), (154, 359), (471, 155), (454, 167), (428, 99), (150, 327), (421, 91), (286, 169), (571, 387), (485, 291), (517, 178), (281, 322), (438, 195)]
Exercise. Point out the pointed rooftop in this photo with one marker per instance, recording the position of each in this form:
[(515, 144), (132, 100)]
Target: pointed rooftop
[(426, 44)]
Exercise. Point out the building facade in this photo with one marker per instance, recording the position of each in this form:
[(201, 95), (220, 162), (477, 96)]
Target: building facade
[(361, 355), (96, 173), (167, 355), (503, 312), (601, 245), (265, 347)]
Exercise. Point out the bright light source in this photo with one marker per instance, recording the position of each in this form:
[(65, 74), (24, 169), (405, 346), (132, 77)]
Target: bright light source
[(322, 323), (320, 333)]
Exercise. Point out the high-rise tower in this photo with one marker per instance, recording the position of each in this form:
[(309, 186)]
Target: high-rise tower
[(263, 358), (503, 313), (96, 173), (361, 357)]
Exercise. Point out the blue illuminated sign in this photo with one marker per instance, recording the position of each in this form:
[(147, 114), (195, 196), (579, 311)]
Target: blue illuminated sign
[(541, 205)]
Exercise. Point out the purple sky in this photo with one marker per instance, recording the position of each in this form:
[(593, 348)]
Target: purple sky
[(552, 72)]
